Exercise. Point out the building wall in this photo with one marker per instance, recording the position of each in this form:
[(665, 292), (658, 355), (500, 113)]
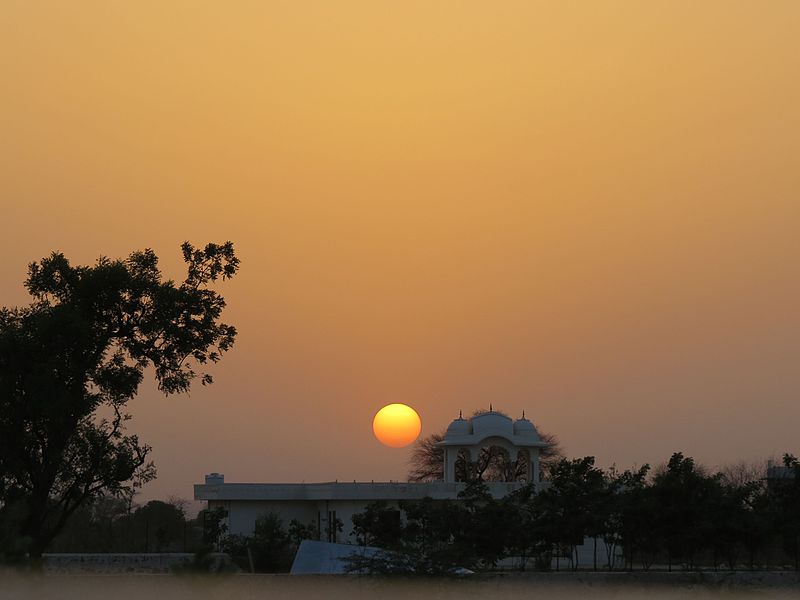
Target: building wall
[(242, 515), (318, 503)]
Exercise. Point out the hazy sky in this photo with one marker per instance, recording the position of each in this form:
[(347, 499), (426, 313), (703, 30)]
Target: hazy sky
[(590, 212)]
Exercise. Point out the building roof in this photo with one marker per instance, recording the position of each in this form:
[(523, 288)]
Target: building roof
[(341, 491), (492, 424)]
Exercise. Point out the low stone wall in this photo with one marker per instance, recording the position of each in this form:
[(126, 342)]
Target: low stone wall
[(165, 562)]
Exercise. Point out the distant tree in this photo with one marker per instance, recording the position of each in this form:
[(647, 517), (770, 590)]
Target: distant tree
[(271, 545), (527, 536), (433, 536), (99, 526), (685, 496), (302, 531), (487, 525), (159, 525), (623, 525), (492, 464), (745, 472), (573, 502), (378, 525), (427, 460), (71, 361), (784, 498), (213, 525), (269, 548)]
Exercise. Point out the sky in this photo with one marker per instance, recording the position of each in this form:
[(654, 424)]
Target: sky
[(587, 211)]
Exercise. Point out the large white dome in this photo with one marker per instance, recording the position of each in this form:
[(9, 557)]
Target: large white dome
[(492, 423)]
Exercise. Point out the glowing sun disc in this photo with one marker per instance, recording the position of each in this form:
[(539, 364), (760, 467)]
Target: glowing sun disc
[(396, 425)]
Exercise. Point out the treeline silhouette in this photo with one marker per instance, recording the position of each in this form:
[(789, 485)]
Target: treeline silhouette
[(116, 525), (678, 516)]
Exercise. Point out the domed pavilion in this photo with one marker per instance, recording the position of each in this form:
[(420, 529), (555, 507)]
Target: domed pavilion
[(468, 437)]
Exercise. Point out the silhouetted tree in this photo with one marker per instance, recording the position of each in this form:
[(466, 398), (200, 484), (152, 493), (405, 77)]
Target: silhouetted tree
[(573, 502), (684, 495), (784, 494), (530, 534), (624, 494), (158, 525), (487, 525), (212, 522), (71, 361), (269, 548), (432, 538), (379, 525), (302, 531)]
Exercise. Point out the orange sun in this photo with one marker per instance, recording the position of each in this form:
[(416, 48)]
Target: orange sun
[(396, 425)]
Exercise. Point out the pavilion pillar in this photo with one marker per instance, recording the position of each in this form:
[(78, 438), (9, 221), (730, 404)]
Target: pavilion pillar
[(533, 465), (450, 457)]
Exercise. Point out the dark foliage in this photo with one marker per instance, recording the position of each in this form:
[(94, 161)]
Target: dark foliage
[(681, 517), (71, 361)]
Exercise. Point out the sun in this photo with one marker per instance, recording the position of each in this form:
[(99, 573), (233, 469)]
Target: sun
[(396, 425)]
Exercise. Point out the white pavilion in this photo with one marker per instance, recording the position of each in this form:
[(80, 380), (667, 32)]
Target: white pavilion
[(325, 503)]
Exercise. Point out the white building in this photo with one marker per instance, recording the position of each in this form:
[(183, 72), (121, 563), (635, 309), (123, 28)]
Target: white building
[(325, 503)]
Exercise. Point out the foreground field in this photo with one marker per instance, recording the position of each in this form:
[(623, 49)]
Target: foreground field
[(562, 586)]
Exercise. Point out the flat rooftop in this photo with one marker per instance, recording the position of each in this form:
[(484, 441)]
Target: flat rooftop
[(336, 490)]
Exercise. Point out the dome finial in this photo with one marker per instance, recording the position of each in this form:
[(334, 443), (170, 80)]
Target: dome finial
[(490, 407), (523, 413), (459, 414)]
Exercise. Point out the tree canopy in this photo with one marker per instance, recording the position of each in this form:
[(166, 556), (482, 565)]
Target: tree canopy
[(70, 362), (680, 515)]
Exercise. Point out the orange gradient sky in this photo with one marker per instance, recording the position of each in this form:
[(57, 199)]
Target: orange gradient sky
[(590, 212)]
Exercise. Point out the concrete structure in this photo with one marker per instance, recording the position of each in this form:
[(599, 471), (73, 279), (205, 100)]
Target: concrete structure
[(327, 505), (152, 562), (469, 436), (322, 558)]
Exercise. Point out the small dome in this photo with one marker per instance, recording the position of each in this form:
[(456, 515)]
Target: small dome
[(458, 427), (524, 427)]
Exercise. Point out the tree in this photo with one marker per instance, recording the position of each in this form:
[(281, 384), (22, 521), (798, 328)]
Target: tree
[(493, 463), (270, 545), (784, 495), (379, 525), (526, 537), (573, 502), (684, 496), (269, 548), (71, 361), (433, 536), (299, 531), (487, 525), (625, 495), (213, 526), (158, 525)]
